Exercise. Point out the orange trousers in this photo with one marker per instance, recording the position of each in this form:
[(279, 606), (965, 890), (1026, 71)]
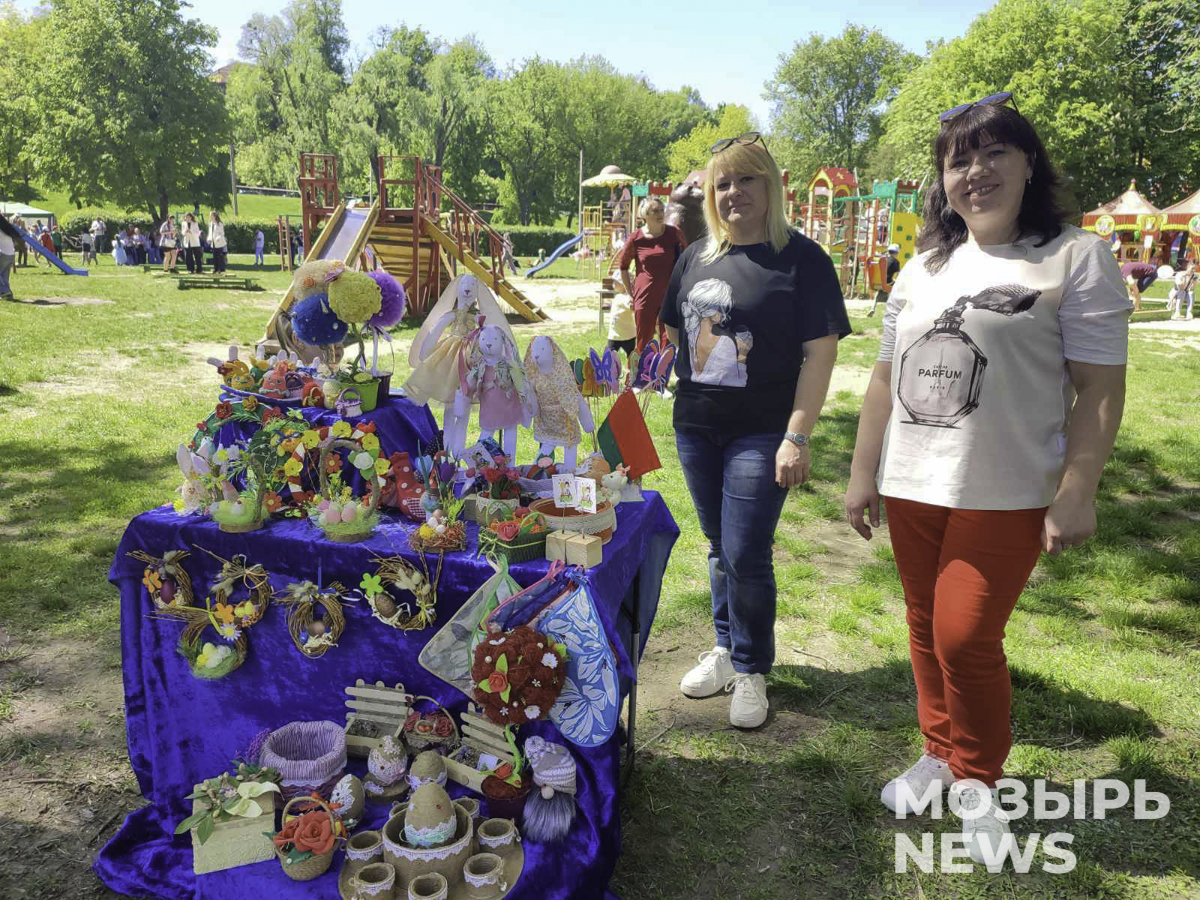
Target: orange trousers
[(962, 571)]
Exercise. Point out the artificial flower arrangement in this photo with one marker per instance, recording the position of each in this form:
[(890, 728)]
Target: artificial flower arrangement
[(352, 306), (501, 495), (305, 843), (519, 538), (227, 797), (443, 528), (518, 675)]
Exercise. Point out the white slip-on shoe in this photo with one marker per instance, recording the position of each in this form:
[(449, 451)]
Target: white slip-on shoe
[(749, 706), (710, 676), (908, 794), (985, 833)]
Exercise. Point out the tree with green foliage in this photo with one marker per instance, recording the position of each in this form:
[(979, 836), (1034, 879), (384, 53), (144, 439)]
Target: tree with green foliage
[(1084, 72), (20, 52), (148, 129), (522, 120), (828, 97), (693, 151)]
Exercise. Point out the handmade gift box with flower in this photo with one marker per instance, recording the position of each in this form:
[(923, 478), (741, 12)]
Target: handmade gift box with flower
[(519, 538), (227, 818)]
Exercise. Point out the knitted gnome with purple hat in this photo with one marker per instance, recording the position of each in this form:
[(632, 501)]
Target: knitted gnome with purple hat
[(550, 810)]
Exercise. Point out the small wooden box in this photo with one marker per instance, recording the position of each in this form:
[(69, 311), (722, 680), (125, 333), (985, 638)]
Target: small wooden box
[(480, 736), (384, 708), (235, 842), (556, 545), (585, 550)]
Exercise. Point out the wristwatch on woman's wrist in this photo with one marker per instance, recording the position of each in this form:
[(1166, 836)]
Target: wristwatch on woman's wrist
[(800, 440)]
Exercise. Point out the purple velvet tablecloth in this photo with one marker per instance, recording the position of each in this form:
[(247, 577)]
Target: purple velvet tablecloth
[(181, 729)]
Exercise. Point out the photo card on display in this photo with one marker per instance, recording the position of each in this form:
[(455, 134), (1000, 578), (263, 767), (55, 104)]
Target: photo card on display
[(566, 491), (585, 495)]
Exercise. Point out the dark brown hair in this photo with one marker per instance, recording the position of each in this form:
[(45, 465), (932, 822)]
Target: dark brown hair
[(1043, 209)]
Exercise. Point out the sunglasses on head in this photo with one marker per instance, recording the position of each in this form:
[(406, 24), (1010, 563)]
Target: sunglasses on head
[(994, 100), (750, 137)]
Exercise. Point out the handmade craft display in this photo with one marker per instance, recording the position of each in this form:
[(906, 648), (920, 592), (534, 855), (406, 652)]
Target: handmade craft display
[(340, 515), (403, 488), (501, 494), (560, 413), (315, 619), (464, 306), (491, 376), (429, 767), (362, 849), (518, 538), (518, 675), (166, 580), (445, 857), (305, 844), (377, 711), (395, 573), (387, 765), (430, 729), (309, 756), (225, 823), (489, 760), (348, 799), (550, 809), (449, 653)]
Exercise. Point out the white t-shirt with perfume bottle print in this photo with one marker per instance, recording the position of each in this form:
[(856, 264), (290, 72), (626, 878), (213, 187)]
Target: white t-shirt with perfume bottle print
[(979, 351)]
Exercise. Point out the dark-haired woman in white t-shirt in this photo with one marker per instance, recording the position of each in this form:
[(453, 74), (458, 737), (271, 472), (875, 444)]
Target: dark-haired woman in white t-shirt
[(991, 411)]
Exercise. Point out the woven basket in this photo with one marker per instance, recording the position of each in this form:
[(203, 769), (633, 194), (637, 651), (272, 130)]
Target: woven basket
[(310, 756), (486, 507), (601, 523), (314, 866), (418, 742), (376, 488)]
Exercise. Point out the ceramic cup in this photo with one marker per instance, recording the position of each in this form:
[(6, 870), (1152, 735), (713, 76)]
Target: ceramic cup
[(470, 804), (431, 886), (484, 875), (363, 848), (498, 836), (374, 881)]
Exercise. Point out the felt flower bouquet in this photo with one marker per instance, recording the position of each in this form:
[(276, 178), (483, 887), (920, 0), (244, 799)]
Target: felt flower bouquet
[(226, 797), (519, 538), (501, 493)]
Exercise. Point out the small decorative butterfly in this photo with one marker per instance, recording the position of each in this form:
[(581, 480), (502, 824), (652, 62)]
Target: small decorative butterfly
[(608, 371), (662, 368)]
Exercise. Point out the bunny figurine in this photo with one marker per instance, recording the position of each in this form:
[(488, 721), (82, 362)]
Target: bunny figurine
[(465, 305), (558, 408), (491, 375)]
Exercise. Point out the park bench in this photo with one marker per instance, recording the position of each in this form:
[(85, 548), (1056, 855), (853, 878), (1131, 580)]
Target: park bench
[(228, 282)]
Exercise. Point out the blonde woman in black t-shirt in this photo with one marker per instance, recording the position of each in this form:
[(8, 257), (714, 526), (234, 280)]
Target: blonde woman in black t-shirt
[(756, 312)]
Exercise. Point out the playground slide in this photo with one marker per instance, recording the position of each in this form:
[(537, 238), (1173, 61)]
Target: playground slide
[(342, 234), (563, 248), (36, 246)]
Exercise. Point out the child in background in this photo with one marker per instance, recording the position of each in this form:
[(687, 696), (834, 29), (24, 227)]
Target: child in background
[(259, 243), (622, 332)]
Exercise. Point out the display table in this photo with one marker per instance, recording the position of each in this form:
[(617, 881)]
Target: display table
[(181, 729)]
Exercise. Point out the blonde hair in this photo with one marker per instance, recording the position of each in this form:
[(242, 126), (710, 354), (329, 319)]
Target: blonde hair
[(744, 159), (645, 205)]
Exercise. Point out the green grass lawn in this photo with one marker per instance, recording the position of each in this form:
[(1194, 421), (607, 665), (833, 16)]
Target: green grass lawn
[(1104, 645)]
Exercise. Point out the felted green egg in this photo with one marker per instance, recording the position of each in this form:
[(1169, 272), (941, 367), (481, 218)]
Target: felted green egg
[(431, 819)]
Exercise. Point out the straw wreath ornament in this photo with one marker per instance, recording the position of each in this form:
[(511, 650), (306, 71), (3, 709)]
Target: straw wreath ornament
[(397, 572), (228, 616), (166, 579), (314, 636)]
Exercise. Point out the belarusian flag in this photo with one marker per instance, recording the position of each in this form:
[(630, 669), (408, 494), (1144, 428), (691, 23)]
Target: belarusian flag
[(624, 439)]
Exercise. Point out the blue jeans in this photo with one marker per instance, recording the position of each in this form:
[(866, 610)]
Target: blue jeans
[(6, 263), (732, 482)]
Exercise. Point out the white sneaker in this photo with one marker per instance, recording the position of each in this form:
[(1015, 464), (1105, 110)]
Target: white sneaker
[(913, 801), (708, 678), (749, 706), (984, 834)]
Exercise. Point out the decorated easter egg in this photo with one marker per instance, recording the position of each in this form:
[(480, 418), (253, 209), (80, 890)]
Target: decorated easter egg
[(349, 798), (430, 820)]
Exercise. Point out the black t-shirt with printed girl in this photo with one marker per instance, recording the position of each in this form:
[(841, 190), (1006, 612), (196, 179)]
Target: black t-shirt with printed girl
[(743, 321)]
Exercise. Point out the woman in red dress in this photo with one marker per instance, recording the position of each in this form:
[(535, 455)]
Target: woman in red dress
[(656, 246)]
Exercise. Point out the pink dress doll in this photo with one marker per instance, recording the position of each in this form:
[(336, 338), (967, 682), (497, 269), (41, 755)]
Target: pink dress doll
[(491, 375)]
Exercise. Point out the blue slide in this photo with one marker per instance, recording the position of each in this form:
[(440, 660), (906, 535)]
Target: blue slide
[(563, 248), (36, 246)]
